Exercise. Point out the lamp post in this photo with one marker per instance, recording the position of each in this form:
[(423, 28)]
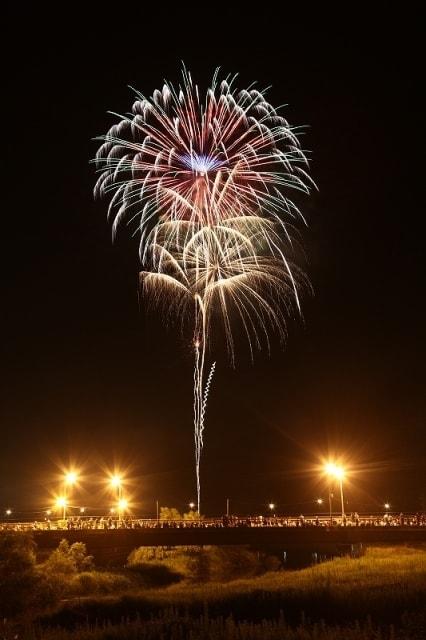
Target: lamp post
[(61, 503), (70, 479), (192, 507), (117, 483), (338, 473), (122, 506)]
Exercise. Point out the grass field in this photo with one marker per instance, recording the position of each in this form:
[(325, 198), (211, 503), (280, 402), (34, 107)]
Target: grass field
[(380, 595)]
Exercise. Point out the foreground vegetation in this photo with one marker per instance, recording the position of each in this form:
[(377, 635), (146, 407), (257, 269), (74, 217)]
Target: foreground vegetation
[(172, 627), (222, 593)]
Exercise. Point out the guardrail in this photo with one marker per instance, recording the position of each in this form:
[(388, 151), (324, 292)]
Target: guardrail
[(108, 523)]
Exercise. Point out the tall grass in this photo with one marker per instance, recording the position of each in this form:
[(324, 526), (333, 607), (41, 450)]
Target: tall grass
[(171, 626), (385, 583)]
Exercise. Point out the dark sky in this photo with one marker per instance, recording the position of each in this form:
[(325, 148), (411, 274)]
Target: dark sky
[(88, 376)]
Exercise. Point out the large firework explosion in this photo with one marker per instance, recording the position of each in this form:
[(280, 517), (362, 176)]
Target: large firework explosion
[(207, 182)]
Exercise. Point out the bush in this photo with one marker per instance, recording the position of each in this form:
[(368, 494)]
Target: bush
[(157, 566), (192, 516), (62, 565), (231, 563), (202, 564), (22, 587), (68, 560), (170, 513), (98, 582)]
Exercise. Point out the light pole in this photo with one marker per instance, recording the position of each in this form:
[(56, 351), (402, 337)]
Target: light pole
[(122, 506), (61, 503), (117, 484), (70, 479), (192, 507), (271, 507), (338, 473)]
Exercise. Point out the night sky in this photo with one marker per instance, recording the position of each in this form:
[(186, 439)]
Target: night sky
[(88, 376)]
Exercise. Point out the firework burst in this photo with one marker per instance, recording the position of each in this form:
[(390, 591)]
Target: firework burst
[(207, 182)]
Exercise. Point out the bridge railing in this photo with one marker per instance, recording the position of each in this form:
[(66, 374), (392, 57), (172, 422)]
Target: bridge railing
[(113, 524)]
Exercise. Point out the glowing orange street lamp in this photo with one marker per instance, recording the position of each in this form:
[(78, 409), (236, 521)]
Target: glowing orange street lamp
[(116, 482), (70, 478), (61, 503), (338, 473), (122, 506)]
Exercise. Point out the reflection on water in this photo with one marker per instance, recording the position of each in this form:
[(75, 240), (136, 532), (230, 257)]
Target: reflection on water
[(302, 558)]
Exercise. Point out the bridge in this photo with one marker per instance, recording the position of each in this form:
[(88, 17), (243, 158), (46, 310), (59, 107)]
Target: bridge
[(113, 546)]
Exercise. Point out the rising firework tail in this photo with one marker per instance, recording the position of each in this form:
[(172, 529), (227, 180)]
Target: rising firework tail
[(207, 181)]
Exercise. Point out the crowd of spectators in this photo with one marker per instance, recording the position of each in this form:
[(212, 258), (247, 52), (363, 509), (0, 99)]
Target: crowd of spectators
[(108, 523)]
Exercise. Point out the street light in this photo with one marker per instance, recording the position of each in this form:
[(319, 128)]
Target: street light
[(70, 478), (116, 482), (122, 506), (8, 512), (82, 509), (335, 471), (271, 507), (387, 506), (61, 503), (191, 505), (319, 501)]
